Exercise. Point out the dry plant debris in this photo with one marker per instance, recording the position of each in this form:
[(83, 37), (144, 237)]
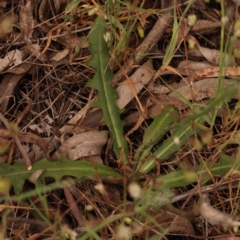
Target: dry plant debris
[(116, 118)]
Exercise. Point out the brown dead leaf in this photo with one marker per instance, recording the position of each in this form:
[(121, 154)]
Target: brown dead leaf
[(26, 21), (193, 65), (214, 72), (12, 58), (81, 145), (23, 68), (162, 100), (213, 56), (7, 86), (139, 79), (205, 88), (60, 55), (158, 89)]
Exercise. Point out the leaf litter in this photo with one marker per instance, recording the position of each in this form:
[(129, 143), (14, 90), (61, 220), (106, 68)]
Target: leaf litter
[(44, 54)]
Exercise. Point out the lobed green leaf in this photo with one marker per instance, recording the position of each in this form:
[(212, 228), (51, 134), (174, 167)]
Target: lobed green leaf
[(17, 173), (102, 83)]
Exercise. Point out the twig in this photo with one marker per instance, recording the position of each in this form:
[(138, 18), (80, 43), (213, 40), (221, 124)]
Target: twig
[(148, 43), (18, 143), (210, 188), (73, 206)]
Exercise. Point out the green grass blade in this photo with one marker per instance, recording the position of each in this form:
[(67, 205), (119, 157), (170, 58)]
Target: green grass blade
[(180, 179), (155, 132), (174, 39), (185, 131), (171, 145), (17, 173), (102, 82), (173, 42)]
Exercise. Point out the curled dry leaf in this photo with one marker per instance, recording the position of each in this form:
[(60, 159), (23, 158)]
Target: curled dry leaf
[(82, 145)]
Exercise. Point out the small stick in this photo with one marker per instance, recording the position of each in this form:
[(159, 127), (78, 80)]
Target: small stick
[(18, 143)]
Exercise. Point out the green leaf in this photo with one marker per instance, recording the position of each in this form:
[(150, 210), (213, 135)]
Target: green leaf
[(17, 173), (179, 179), (155, 132), (171, 145), (102, 82), (185, 130), (72, 5), (174, 39)]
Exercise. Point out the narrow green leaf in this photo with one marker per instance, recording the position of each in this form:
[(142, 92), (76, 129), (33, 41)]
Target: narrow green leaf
[(17, 173), (171, 145), (155, 132), (179, 178), (174, 39), (72, 5), (102, 82), (185, 131)]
